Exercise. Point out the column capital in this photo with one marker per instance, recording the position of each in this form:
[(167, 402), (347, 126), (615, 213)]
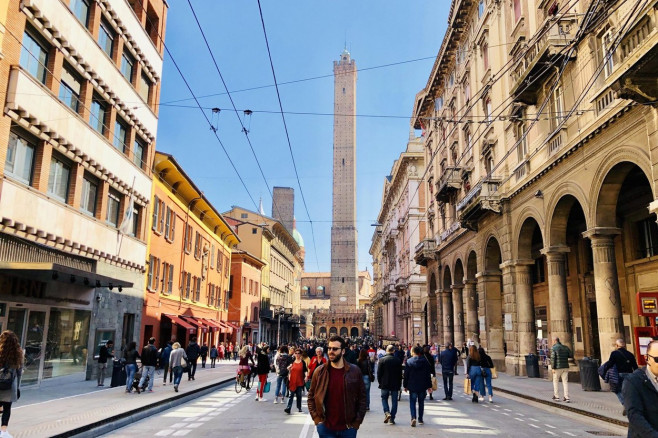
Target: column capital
[(470, 282), (602, 232), (555, 250), (521, 263), (457, 286)]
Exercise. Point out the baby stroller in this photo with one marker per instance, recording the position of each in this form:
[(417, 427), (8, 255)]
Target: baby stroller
[(138, 377)]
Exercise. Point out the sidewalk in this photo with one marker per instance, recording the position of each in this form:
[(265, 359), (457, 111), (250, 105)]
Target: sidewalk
[(63, 405), (602, 405)]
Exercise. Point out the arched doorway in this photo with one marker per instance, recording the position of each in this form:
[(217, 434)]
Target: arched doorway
[(458, 304), (471, 299), (491, 302), (446, 305), (323, 332), (530, 280), (343, 332), (333, 331), (354, 332)]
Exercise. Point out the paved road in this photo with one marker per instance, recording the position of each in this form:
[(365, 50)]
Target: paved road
[(239, 415)]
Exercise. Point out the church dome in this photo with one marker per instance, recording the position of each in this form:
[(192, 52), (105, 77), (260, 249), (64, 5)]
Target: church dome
[(298, 238)]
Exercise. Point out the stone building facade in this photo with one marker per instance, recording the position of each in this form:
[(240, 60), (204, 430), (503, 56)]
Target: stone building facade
[(399, 283), (538, 130), (77, 141)]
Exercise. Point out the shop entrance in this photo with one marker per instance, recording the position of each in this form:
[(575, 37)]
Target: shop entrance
[(30, 327)]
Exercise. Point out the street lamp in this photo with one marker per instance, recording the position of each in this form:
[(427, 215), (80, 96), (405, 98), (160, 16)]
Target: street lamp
[(279, 312)]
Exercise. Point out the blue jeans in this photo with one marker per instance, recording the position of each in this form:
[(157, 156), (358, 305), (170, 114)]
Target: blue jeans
[(420, 396), (486, 382), (394, 405), (296, 393), (619, 394), (476, 378), (279, 384), (447, 382), (131, 369), (323, 432), (366, 381), (148, 371), (178, 374)]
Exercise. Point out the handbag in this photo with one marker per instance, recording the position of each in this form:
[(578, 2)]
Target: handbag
[(494, 373), (7, 376), (308, 385), (467, 386), (266, 388), (435, 384)]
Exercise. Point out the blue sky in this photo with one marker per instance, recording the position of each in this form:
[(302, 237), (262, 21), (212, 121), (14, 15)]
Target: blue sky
[(305, 38)]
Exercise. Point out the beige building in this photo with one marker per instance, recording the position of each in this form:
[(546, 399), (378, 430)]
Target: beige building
[(77, 141), (398, 306), (538, 131)]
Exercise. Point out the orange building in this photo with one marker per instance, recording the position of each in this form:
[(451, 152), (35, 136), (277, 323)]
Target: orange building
[(187, 283), (244, 295)]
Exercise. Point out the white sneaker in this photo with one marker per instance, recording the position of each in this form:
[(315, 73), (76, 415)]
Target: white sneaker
[(5, 434), (481, 398), (276, 400), (263, 399)]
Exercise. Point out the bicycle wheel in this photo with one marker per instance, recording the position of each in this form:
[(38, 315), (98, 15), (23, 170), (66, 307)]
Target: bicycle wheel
[(238, 386)]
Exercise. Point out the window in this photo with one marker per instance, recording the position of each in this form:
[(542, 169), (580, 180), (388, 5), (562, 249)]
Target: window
[(451, 80), (226, 266), (34, 55), (244, 285), (156, 209), (517, 10), (485, 56), (211, 294), (156, 274), (467, 92), (607, 50), (557, 105), (481, 9), (113, 202), (220, 259), (521, 138), (212, 256), (647, 235), (198, 289), (158, 215), (254, 230), (138, 153), (197, 245), (144, 87), (120, 135), (58, 179), (487, 110), (127, 63), (167, 278), (89, 195), (134, 229), (188, 239), (170, 224), (489, 163), (244, 216), (80, 9), (20, 158), (106, 37), (188, 279), (97, 114), (226, 300), (438, 103), (69, 88)]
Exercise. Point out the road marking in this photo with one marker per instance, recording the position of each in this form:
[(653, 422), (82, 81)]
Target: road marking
[(533, 419), (165, 432), (569, 433), (508, 410), (548, 425), (519, 419), (307, 424), (505, 413), (535, 426), (520, 415), (494, 409), (549, 432)]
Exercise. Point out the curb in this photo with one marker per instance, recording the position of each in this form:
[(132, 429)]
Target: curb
[(115, 422)]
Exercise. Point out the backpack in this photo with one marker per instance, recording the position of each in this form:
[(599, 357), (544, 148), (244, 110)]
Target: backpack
[(7, 376)]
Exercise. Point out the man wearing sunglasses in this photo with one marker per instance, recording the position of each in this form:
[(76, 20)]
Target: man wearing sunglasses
[(640, 392), (337, 397)]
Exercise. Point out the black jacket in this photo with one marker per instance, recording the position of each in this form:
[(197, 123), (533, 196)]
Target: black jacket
[(624, 360), (104, 354), (417, 375), (203, 351), (149, 355), (389, 373), (192, 351), (641, 403), (263, 364), (430, 360)]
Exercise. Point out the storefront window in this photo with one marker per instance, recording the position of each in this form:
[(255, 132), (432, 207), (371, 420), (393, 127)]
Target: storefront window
[(66, 349)]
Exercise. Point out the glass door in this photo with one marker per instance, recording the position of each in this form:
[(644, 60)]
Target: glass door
[(34, 345)]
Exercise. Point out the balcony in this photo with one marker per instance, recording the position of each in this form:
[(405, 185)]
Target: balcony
[(449, 183), (634, 73), (531, 69), (424, 252), (484, 198)]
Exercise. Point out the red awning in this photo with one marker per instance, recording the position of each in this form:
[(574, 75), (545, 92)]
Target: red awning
[(212, 324), (181, 322), (196, 322), (226, 327), (231, 325)]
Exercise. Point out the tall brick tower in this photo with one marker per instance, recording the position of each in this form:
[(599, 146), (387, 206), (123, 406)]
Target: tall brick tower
[(344, 269)]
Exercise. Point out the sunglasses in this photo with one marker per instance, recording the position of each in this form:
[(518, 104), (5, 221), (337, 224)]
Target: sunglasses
[(655, 358), (334, 348)]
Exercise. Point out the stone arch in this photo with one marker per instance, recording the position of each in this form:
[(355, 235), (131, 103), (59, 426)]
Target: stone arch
[(354, 332), (459, 272), (343, 332), (333, 331), (458, 303), (527, 213), (446, 305), (557, 207), (471, 300), (323, 332), (491, 300)]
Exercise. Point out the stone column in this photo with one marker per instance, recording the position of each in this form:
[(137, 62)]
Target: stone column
[(391, 315), (446, 300), (491, 307), (458, 313), (606, 287), (472, 323), (558, 300), (525, 312)]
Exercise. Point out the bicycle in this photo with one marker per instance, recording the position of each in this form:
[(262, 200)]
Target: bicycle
[(245, 381)]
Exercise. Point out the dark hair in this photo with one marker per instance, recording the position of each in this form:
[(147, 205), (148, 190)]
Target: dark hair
[(336, 338), (418, 350), (363, 354), (132, 346), (11, 353), (110, 341), (473, 353), (283, 349), (151, 340)]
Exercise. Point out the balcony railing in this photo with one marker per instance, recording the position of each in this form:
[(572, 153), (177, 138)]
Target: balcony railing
[(556, 142), (424, 252), (484, 198), (449, 183)]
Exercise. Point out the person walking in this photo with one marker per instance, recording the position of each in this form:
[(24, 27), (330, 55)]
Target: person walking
[(337, 397), (417, 381), (104, 354), (640, 394), (130, 356), (316, 361), (486, 365), (164, 362), (203, 352), (474, 372), (281, 363), (11, 356), (262, 369), (298, 372), (389, 376), (364, 365), (176, 363), (560, 355), (463, 355), (149, 361), (213, 356), (626, 364), (192, 352), (430, 361), (448, 359)]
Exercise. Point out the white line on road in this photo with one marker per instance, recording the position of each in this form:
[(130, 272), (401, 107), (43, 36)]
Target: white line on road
[(519, 419), (548, 425), (307, 424), (569, 433), (508, 410), (533, 419), (549, 432)]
